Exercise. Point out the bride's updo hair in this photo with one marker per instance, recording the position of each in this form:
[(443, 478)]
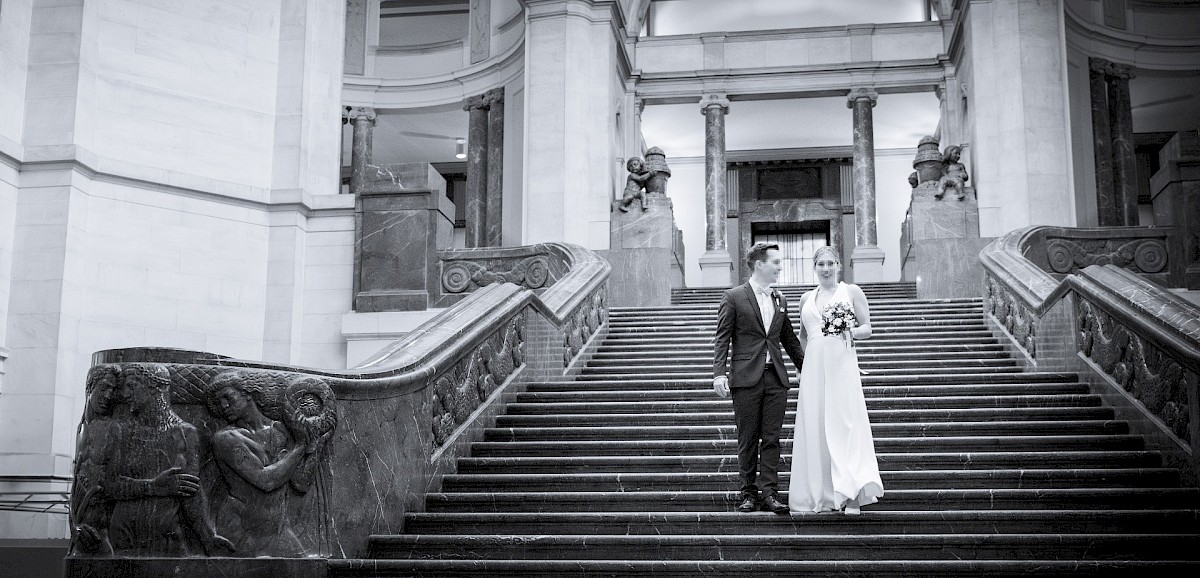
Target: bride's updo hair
[(826, 250)]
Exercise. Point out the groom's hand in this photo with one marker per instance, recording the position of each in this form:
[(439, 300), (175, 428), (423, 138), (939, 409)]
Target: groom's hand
[(721, 385)]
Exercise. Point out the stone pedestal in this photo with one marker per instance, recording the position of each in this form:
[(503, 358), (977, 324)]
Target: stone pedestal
[(944, 256), (402, 217), (716, 269), (643, 254), (1175, 191), (866, 262)]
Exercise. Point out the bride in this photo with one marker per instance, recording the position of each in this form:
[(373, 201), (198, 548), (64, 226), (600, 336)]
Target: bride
[(833, 453)]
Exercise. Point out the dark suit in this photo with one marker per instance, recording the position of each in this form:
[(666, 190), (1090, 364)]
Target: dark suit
[(759, 396)]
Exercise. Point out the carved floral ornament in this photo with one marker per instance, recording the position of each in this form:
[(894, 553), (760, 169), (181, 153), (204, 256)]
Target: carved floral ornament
[(461, 276), (1147, 256), (583, 323), (459, 391), (1157, 380), (1017, 319)]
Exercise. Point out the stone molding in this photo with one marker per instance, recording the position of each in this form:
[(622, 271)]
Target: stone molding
[(353, 113), (1142, 250), (714, 99), (533, 267)]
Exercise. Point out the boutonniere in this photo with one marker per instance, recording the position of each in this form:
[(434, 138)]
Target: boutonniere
[(777, 299)]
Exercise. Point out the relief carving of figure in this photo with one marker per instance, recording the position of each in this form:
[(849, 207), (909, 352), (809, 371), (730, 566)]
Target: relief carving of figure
[(262, 461), (138, 464), (635, 185), (954, 175)]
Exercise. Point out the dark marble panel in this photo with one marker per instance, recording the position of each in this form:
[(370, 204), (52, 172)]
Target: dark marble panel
[(477, 158), (641, 277), (494, 199)]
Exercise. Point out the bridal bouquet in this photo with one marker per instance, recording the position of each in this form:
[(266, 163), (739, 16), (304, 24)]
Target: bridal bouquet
[(837, 321)]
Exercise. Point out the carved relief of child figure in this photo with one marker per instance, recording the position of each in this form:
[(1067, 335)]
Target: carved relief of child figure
[(635, 184), (258, 458), (954, 174), (139, 467)]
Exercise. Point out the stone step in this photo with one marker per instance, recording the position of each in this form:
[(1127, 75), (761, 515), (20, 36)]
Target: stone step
[(866, 348), (1082, 498), (711, 405), (700, 355), (678, 394), (762, 523), (877, 416), (972, 313), (877, 320), (907, 304), (882, 332), (892, 480), (887, 461), (704, 380), (705, 341), (685, 364), (729, 431), (571, 389), (1045, 443), (644, 375), (783, 547), (565, 566)]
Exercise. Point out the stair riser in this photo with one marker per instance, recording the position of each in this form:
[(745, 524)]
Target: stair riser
[(581, 390), (722, 482), (728, 463), (876, 417), (803, 548), (730, 432), (727, 501), (717, 405), (1018, 522)]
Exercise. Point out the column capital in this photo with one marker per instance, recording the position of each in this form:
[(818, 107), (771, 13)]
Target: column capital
[(493, 96), (479, 101), (1099, 64), (352, 113), (860, 94), (714, 99), (1122, 71)]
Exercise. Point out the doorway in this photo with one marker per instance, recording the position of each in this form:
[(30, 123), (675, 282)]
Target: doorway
[(797, 242)]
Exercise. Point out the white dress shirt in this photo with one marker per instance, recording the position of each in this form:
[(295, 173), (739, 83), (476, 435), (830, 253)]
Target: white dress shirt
[(766, 306)]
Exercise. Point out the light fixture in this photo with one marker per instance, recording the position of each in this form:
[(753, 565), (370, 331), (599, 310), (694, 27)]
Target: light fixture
[(460, 148)]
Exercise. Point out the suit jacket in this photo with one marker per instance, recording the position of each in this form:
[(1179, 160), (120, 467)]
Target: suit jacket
[(744, 342)]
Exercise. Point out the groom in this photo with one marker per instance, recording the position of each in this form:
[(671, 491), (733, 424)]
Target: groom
[(753, 319)]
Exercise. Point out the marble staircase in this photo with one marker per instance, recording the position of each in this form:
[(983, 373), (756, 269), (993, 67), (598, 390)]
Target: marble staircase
[(630, 469)]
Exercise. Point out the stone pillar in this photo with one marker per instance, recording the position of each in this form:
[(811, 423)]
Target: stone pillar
[(867, 258), (1120, 115), (494, 199), (363, 121), (1106, 205), (716, 267), (477, 157)]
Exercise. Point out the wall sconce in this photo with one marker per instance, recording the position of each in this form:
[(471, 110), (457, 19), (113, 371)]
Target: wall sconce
[(460, 148)]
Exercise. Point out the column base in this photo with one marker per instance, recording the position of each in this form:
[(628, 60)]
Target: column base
[(867, 263), (716, 269)]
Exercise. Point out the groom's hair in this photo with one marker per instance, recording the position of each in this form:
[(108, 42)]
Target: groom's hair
[(759, 253)]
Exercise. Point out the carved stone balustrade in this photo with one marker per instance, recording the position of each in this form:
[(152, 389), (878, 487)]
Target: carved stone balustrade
[(535, 267), (191, 463), (1135, 343)]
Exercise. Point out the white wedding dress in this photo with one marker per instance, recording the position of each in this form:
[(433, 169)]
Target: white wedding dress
[(833, 452)]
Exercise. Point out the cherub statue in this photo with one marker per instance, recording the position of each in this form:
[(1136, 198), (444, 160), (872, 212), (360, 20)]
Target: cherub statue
[(634, 185), (954, 174)]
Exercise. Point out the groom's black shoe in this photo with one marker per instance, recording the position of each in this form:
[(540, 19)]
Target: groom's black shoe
[(772, 504), (749, 504)]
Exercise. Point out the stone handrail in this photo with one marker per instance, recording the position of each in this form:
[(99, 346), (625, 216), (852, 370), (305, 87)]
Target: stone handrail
[(389, 428), (1139, 342)]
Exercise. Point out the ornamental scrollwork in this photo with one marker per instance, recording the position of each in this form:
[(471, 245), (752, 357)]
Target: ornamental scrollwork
[(459, 391), (1012, 315), (463, 276), (583, 323), (1147, 256), (1154, 378)]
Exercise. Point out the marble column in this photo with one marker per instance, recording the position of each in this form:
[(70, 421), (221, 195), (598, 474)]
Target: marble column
[(1124, 160), (867, 258), (716, 266), (494, 199), (1106, 206), (362, 119), (477, 157)]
